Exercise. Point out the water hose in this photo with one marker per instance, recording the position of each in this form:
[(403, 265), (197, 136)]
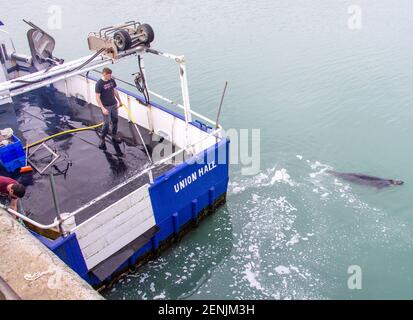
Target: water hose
[(63, 133), (130, 115)]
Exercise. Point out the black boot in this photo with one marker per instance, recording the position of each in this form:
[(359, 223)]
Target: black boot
[(102, 144), (116, 138), (119, 152)]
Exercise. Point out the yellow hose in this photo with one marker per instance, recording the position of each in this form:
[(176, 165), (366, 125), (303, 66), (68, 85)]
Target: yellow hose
[(64, 132), (131, 117)]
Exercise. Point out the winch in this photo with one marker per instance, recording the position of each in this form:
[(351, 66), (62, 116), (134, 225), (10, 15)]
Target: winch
[(115, 39)]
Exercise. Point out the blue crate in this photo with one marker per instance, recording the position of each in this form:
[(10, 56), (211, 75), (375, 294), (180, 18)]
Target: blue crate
[(12, 156)]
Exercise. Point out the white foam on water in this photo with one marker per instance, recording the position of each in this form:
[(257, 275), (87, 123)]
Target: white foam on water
[(294, 240), (255, 197), (268, 233), (281, 176), (264, 179), (251, 277), (282, 270), (318, 164), (160, 296)]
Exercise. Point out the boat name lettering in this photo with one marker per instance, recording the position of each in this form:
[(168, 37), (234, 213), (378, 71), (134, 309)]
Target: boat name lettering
[(194, 176)]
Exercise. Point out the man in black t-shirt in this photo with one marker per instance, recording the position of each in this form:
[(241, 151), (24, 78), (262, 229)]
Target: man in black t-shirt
[(109, 102)]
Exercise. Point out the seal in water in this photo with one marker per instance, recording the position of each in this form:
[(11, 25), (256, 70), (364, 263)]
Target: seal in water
[(364, 179)]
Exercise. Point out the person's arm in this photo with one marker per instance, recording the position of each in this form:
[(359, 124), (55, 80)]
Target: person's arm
[(117, 96), (100, 104), (13, 204), (116, 93)]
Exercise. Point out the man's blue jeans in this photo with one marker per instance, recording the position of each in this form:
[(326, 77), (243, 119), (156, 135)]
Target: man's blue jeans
[(112, 117)]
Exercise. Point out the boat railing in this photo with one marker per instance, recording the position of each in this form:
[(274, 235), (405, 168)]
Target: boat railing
[(167, 100), (26, 219), (64, 217)]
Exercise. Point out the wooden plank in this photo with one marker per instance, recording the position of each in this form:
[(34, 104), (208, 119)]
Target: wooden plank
[(108, 239), (143, 210), (136, 215), (115, 209), (120, 243), (119, 213), (116, 226)]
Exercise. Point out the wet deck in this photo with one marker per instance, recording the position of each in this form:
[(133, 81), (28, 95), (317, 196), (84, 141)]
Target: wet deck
[(83, 171)]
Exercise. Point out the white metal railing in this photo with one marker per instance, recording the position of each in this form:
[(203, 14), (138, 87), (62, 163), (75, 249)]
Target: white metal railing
[(24, 218), (196, 114), (104, 195), (171, 102)]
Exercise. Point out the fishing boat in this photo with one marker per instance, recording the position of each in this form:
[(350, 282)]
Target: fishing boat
[(105, 212)]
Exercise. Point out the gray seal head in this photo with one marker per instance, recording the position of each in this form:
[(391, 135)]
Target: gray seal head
[(397, 182)]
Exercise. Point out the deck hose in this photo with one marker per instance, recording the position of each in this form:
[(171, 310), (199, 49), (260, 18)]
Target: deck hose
[(130, 115), (63, 133)]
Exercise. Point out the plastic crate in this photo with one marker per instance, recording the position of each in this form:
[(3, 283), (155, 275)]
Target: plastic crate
[(12, 156)]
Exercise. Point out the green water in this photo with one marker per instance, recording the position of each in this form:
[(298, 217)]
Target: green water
[(324, 97)]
